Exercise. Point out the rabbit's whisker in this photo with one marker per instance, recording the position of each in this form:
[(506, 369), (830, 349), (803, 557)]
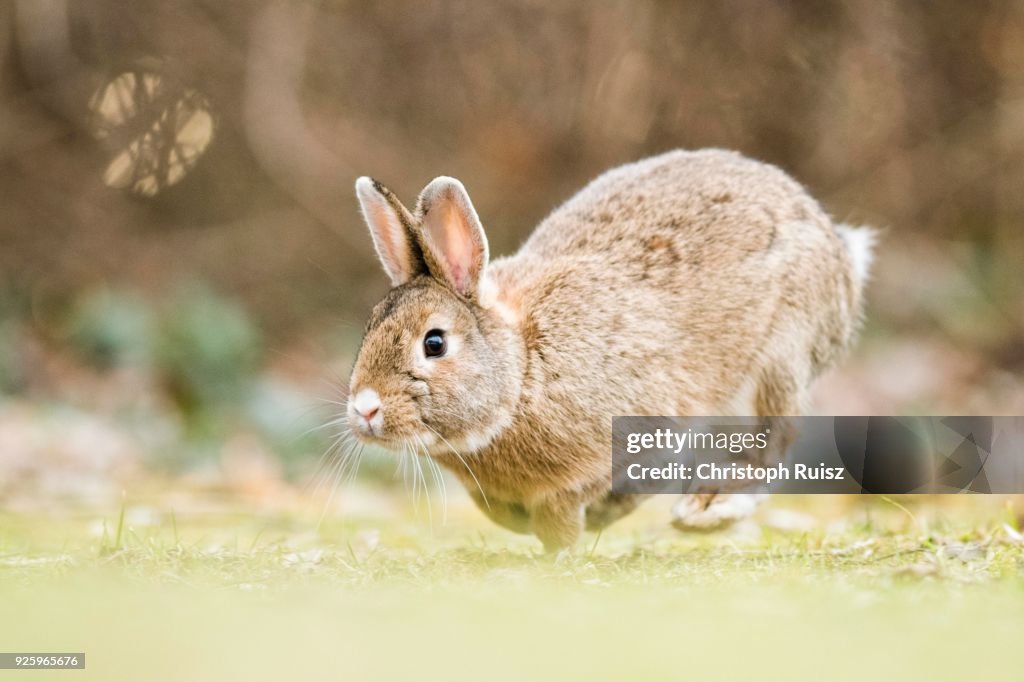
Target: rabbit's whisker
[(324, 463), (337, 471), (438, 476), (419, 480), (465, 464), (340, 419), (342, 439)]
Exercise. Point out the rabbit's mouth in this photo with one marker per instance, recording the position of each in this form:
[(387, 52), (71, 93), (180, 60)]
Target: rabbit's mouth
[(422, 443), (375, 434)]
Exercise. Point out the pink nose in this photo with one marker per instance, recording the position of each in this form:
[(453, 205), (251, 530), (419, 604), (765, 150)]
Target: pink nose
[(366, 403)]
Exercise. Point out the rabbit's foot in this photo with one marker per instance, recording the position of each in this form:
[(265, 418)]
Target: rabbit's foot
[(697, 512), (558, 523)]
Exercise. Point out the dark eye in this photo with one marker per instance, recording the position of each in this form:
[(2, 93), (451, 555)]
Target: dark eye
[(434, 344)]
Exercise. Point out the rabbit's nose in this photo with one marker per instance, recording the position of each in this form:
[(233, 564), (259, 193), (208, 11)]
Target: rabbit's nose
[(366, 404)]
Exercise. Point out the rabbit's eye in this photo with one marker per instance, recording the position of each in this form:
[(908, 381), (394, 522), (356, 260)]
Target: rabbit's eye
[(434, 344)]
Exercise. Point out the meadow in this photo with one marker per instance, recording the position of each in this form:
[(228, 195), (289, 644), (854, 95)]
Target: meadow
[(815, 587)]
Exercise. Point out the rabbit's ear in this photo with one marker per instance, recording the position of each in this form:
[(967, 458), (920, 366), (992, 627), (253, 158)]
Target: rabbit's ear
[(391, 226), (454, 243)]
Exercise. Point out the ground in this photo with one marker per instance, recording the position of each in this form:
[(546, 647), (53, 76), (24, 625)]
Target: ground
[(815, 587)]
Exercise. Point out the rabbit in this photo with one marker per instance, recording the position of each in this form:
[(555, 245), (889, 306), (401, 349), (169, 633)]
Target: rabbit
[(689, 283)]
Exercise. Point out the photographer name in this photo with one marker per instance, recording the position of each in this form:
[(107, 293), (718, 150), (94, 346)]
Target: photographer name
[(707, 471)]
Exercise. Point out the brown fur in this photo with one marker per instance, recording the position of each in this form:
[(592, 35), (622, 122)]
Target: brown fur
[(689, 283)]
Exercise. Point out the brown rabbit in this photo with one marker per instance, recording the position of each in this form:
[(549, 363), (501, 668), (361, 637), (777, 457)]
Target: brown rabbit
[(688, 283)]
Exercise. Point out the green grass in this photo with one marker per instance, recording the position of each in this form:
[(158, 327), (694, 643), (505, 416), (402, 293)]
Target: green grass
[(873, 590)]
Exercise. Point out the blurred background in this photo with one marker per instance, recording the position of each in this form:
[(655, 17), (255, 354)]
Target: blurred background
[(184, 275)]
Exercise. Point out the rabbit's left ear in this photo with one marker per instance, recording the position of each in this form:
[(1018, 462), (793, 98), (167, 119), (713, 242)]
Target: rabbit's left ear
[(454, 243)]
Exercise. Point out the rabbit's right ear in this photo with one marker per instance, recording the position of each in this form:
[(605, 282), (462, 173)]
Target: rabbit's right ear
[(391, 226)]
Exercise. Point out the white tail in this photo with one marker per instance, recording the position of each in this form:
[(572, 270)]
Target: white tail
[(860, 243)]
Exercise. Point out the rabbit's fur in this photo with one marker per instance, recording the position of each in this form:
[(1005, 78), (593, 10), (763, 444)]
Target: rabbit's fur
[(694, 282)]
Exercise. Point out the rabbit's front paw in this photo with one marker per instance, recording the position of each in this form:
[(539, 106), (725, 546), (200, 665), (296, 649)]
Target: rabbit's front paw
[(557, 523)]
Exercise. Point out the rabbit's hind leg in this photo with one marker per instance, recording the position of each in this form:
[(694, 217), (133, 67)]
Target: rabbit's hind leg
[(778, 397), (711, 511)]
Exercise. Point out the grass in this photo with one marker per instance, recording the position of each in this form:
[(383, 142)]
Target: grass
[(904, 590)]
